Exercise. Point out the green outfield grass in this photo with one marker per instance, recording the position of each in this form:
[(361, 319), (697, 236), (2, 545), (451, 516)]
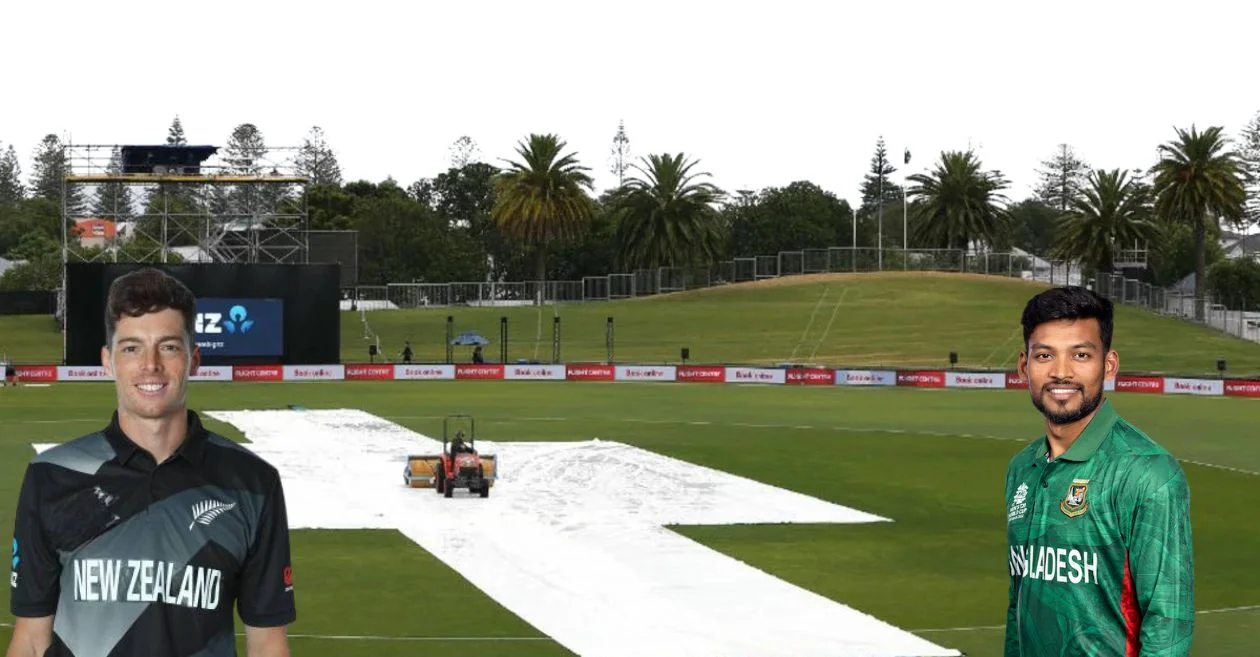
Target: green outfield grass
[(865, 320), (931, 460)]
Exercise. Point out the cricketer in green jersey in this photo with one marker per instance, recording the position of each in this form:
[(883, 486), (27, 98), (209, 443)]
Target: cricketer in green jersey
[(1098, 515)]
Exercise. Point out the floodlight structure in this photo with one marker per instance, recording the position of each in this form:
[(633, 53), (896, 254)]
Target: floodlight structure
[(182, 203)]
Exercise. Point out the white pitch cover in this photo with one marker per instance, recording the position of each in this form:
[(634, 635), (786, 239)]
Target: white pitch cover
[(574, 539)]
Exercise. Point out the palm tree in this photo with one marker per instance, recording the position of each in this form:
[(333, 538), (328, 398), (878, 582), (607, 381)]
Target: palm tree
[(1111, 210), (667, 218), (1199, 181), (957, 203), (543, 197)]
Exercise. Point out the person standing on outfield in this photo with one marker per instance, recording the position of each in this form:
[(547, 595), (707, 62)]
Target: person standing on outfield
[(1098, 515), (140, 538)]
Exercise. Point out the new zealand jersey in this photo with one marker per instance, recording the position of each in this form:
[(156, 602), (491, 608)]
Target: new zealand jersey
[(136, 558), (1101, 558)]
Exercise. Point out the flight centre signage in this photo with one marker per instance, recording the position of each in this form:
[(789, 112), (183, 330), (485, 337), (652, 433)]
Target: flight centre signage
[(240, 327)]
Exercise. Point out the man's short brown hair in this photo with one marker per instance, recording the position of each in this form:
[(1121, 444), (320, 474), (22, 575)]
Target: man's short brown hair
[(145, 291)]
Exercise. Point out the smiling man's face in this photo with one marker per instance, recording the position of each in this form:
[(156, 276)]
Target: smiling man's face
[(1066, 365), (151, 362)]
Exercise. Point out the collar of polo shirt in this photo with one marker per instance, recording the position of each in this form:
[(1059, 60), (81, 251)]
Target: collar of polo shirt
[(193, 448), (1087, 443)]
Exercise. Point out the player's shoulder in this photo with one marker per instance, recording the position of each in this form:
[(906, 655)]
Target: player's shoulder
[(234, 464), (85, 453), (1145, 461), (239, 458), (1129, 442)]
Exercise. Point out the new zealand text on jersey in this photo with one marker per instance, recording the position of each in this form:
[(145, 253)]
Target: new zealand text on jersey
[(1054, 564), (146, 580)]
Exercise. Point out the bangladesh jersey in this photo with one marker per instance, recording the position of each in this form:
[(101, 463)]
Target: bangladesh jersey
[(1101, 558)]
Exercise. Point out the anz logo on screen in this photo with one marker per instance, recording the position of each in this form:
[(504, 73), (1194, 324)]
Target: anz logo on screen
[(237, 321)]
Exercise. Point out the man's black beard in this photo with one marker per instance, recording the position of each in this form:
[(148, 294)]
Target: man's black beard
[(1089, 405)]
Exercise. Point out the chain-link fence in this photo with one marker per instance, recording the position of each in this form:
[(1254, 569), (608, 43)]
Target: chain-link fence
[(1233, 316), (661, 280)]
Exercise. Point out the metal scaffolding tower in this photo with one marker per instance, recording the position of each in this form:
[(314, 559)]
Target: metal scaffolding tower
[(183, 204)]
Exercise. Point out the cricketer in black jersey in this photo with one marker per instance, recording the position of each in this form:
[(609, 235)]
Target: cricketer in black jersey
[(149, 536), (133, 558)]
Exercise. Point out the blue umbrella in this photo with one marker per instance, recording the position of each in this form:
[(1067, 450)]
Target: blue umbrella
[(469, 338)]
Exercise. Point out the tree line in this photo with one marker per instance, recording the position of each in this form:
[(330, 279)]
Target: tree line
[(537, 215)]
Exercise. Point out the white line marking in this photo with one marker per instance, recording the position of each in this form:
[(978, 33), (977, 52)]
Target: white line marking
[(804, 334), (1220, 467), (1229, 609), (65, 421), (353, 637), (1002, 627), (827, 330), (961, 629)]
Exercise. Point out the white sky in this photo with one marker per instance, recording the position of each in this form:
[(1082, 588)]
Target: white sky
[(763, 93)]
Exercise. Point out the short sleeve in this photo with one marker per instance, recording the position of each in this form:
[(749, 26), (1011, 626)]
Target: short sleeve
[(265, 597), (35, 570)]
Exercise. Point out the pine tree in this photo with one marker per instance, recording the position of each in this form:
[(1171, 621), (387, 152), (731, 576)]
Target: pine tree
[(243, 157), (620, 156), (245, 150), (51, 164), (171, 198), (464, 152), (316, 160), (175, 134), (1062, 178), (246, 155), (11, 188), (878, 190), (113, 199), (878, 183), (1249, 152)]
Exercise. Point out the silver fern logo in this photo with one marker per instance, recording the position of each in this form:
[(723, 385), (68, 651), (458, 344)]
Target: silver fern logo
[(205, 512)]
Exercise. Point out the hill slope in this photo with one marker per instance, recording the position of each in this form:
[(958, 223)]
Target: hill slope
[(873, 319)]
